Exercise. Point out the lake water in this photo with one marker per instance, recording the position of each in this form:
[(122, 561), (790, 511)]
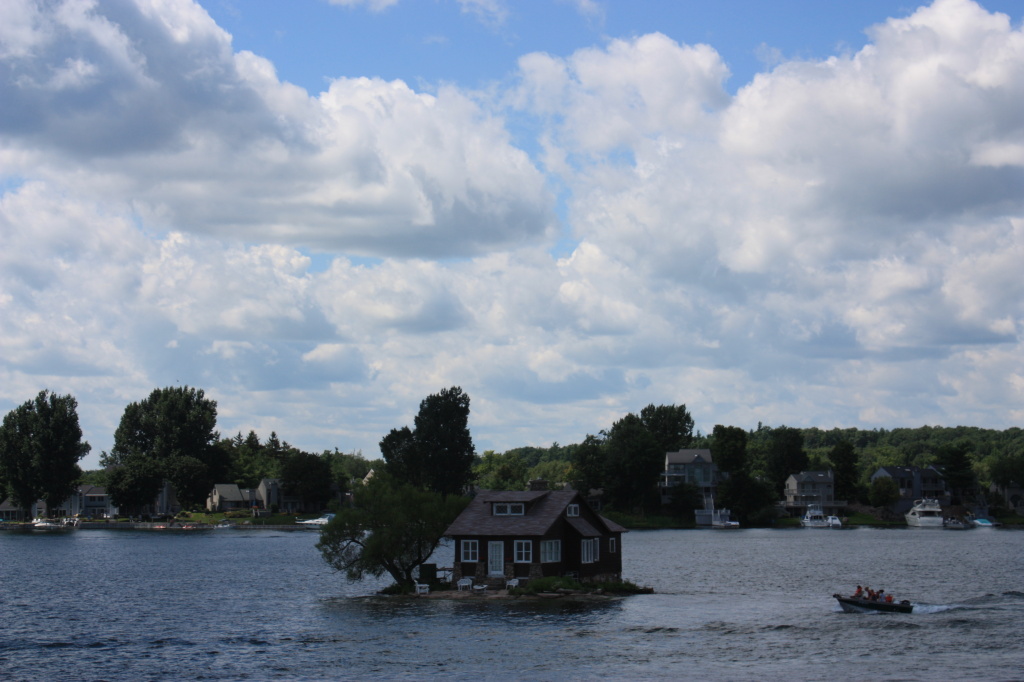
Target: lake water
[(729, 605)]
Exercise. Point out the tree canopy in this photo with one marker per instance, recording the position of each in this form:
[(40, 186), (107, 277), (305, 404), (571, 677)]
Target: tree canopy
[(391, 527), (40, 447), (437, 454), (172, 430)]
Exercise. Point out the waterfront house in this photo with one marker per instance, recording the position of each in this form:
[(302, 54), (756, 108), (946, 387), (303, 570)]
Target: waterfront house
[(226, 497), (693, 466), (914, 483), (812, 487), (87, 502), (534, 533)]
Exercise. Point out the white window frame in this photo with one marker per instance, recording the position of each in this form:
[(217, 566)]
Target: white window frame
[(589, 550), (524, 551), (471, 551), (508, 509), (611, 545), (572, 510), (550, 551)]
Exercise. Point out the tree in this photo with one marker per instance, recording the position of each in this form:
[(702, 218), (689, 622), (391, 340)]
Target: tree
[(133, 484), (844, 460), (588, 465), (750, 500), (785, 456), (40, 447), (171, 424), (729, 448), (634, 463), (671, 426), (500, 471), (308, 477), (404, 462), (955, 460), (438, 453), (883, 492), (392, 527)]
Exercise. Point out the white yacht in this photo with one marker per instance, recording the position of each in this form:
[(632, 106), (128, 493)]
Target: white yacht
[(925, 513), (814, 517)]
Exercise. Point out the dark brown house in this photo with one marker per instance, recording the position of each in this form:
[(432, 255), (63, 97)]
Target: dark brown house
[(533, 534)]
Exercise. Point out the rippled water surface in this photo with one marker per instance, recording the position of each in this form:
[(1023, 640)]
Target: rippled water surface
[(729, 605)]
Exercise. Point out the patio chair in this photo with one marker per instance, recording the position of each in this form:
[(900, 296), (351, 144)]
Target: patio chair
[(422, 588), (464, 584), (513, 582)]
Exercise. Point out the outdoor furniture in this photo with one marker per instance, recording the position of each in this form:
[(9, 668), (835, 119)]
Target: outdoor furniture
[(509, 584), (422, 589), (480, 589), (464, 584)]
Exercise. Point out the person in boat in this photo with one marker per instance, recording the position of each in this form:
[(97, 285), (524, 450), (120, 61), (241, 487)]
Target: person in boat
[(888, 599), (859, 593), (880, 596)]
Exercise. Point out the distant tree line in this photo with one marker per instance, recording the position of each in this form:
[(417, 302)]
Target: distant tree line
[(171, 436)]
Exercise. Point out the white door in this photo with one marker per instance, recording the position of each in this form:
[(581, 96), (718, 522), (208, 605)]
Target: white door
[(496, 558)]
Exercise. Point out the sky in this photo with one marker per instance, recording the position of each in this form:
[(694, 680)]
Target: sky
[(321, 212)]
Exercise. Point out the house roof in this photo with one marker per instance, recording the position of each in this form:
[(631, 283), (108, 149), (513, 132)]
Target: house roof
[(543, 509), (229, 492), (688, 456), (813, 477)]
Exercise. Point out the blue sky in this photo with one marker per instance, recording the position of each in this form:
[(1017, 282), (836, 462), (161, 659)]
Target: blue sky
[(799, 213)]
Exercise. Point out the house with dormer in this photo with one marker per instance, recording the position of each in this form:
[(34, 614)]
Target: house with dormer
[(532, 534)]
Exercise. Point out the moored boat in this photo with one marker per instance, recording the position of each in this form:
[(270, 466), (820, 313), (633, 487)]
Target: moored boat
[(985, 523), (815, 517), (861, 605), (955, 524), (925, 513)]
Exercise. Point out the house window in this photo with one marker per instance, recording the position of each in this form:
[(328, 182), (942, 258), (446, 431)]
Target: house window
[(524, 551), (471, 550), (589, 553), (611, 545), (572, 510), (508, 509), (550, 551)]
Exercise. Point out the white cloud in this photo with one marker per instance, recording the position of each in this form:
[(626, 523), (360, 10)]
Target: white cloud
[(836, 244)]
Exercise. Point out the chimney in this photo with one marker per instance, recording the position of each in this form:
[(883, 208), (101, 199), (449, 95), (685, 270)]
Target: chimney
[(538, 484)]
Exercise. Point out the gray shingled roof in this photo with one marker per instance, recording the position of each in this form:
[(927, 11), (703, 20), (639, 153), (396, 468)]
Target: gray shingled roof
[(543, 509)]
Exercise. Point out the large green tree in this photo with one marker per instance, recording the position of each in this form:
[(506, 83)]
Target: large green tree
[(438, 452), (588, 465), (40, 447), (634, 461), (391, 527), (671, 426), (785, 456), (955, 461), (729, 448), (308, 477), (844, 460), (174, 430)]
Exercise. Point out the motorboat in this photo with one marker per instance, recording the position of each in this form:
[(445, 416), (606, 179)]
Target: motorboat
[(320, 521), (955, 524), (925, 513), (814, 517), (52, 524), (985, 523), (862, 605)]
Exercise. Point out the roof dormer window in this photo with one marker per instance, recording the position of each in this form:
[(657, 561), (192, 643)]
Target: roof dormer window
[(508, 509), (572, 510)]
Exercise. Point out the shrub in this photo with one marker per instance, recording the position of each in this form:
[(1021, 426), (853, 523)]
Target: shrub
[(550, 584)]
